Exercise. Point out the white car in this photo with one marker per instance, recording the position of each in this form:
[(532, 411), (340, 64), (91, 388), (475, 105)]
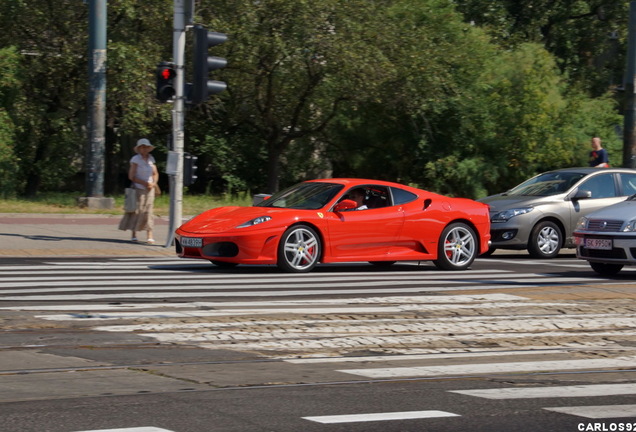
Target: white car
[(607, 238)]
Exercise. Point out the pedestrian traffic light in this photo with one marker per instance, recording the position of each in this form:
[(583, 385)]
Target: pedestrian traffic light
[(202, 86), (166, 75), (189, 169)]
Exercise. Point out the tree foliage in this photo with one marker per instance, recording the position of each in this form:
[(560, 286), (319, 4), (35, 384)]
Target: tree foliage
[(463, 97)]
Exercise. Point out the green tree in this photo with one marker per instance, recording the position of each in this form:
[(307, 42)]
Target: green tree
[(588, 37), (294, 65), (9, 72), (519, 121)]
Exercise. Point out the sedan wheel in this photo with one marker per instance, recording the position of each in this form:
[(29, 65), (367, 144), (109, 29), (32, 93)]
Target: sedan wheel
[(606, 269), (457, 247), (299, 249), (545, 240)]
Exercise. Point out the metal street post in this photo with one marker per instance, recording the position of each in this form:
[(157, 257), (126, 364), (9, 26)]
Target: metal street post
[(629, 130), (97, 98), (178, 134)]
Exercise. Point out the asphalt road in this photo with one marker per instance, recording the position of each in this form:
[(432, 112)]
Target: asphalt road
[(154, 344)]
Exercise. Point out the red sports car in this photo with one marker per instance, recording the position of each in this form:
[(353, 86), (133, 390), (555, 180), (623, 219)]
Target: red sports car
[(319, 221)]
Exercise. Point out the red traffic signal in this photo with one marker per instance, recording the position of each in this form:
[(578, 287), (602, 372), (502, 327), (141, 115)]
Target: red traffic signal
[(166, 74)]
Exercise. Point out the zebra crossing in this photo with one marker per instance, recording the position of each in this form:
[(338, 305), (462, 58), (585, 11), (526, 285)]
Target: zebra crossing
[(135, 279), (413, 322), (327, 312), (503, 396)]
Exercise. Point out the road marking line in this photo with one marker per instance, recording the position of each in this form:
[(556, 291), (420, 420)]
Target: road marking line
[(598, 412), (411, 300), (406, 415), (182, 280), (477, 369), (135, 429), (402, 357), (294, 311), (552, 392)]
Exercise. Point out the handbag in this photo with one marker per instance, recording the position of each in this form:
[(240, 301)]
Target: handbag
[(130, 200)]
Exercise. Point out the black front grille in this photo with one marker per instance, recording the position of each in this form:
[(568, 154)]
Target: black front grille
[(604, 225), (599, 253), (221, 249)]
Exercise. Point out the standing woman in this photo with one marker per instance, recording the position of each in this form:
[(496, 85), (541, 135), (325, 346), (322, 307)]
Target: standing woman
[(144, 176)]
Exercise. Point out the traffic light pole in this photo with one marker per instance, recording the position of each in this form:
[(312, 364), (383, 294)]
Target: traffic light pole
[(178, 117)]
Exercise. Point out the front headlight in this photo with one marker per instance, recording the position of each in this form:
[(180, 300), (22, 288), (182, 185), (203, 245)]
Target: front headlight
[(630, 226), (581, 224), (255, 221), (506, 215)]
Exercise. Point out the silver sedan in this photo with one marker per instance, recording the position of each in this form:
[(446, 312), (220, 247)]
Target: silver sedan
[(540, 214), (607, 238)]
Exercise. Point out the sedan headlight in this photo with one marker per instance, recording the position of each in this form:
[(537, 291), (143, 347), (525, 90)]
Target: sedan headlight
[(630, 226), (581, 224), (255, 221), (506, 215)]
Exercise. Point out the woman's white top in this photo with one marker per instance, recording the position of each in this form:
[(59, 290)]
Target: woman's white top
[(144, 169)]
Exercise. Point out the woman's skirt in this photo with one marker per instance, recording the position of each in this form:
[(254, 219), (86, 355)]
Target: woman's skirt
[(143, 218)]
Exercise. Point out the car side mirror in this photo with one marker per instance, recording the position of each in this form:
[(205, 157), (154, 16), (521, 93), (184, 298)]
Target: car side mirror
[(581, 194), (345, 205)]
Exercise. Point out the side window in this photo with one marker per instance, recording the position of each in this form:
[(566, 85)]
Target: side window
[(601, 186), (369, 196), (400, 196), (629, 183)]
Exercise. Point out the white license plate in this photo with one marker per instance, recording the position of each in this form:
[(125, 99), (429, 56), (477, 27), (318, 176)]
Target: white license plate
[(191, 242), (604, 244)]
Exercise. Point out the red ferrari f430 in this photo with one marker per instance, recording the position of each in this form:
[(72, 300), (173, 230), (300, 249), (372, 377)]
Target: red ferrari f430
[(340, 220)]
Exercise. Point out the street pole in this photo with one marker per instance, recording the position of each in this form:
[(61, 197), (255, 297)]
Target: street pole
[(178, 115), (629, 130), (97, 98)]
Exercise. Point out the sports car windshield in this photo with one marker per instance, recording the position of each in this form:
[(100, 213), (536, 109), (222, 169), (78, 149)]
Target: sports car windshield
[(546, 184), (305, 196)]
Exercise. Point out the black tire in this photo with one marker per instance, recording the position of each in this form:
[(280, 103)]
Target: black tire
[(223, 264), (457, 248), (299, 249), (606, 269), (545, 240)]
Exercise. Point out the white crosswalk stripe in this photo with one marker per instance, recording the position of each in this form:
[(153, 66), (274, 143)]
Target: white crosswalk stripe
[(358, 418), (564, 392), (489, 368), (599, 411)]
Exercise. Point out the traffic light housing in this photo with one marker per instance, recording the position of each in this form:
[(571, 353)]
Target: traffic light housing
[(189, 169), (202, 86), (166, 74)]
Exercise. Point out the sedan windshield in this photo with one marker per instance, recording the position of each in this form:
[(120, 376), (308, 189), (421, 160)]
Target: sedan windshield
[(547, 184), (307, 196)]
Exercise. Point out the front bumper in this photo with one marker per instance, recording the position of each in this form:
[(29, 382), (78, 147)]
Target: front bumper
[(623, 248), (513, 234), (256, 247)]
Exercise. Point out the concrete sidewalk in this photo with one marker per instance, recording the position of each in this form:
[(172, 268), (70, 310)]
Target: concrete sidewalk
[(75, 235)]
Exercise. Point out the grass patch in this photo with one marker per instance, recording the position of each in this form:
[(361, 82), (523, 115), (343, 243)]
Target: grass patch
[(56, 202)]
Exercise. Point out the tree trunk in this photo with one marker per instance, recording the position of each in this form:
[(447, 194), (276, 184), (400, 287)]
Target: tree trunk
[(273, 169)]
